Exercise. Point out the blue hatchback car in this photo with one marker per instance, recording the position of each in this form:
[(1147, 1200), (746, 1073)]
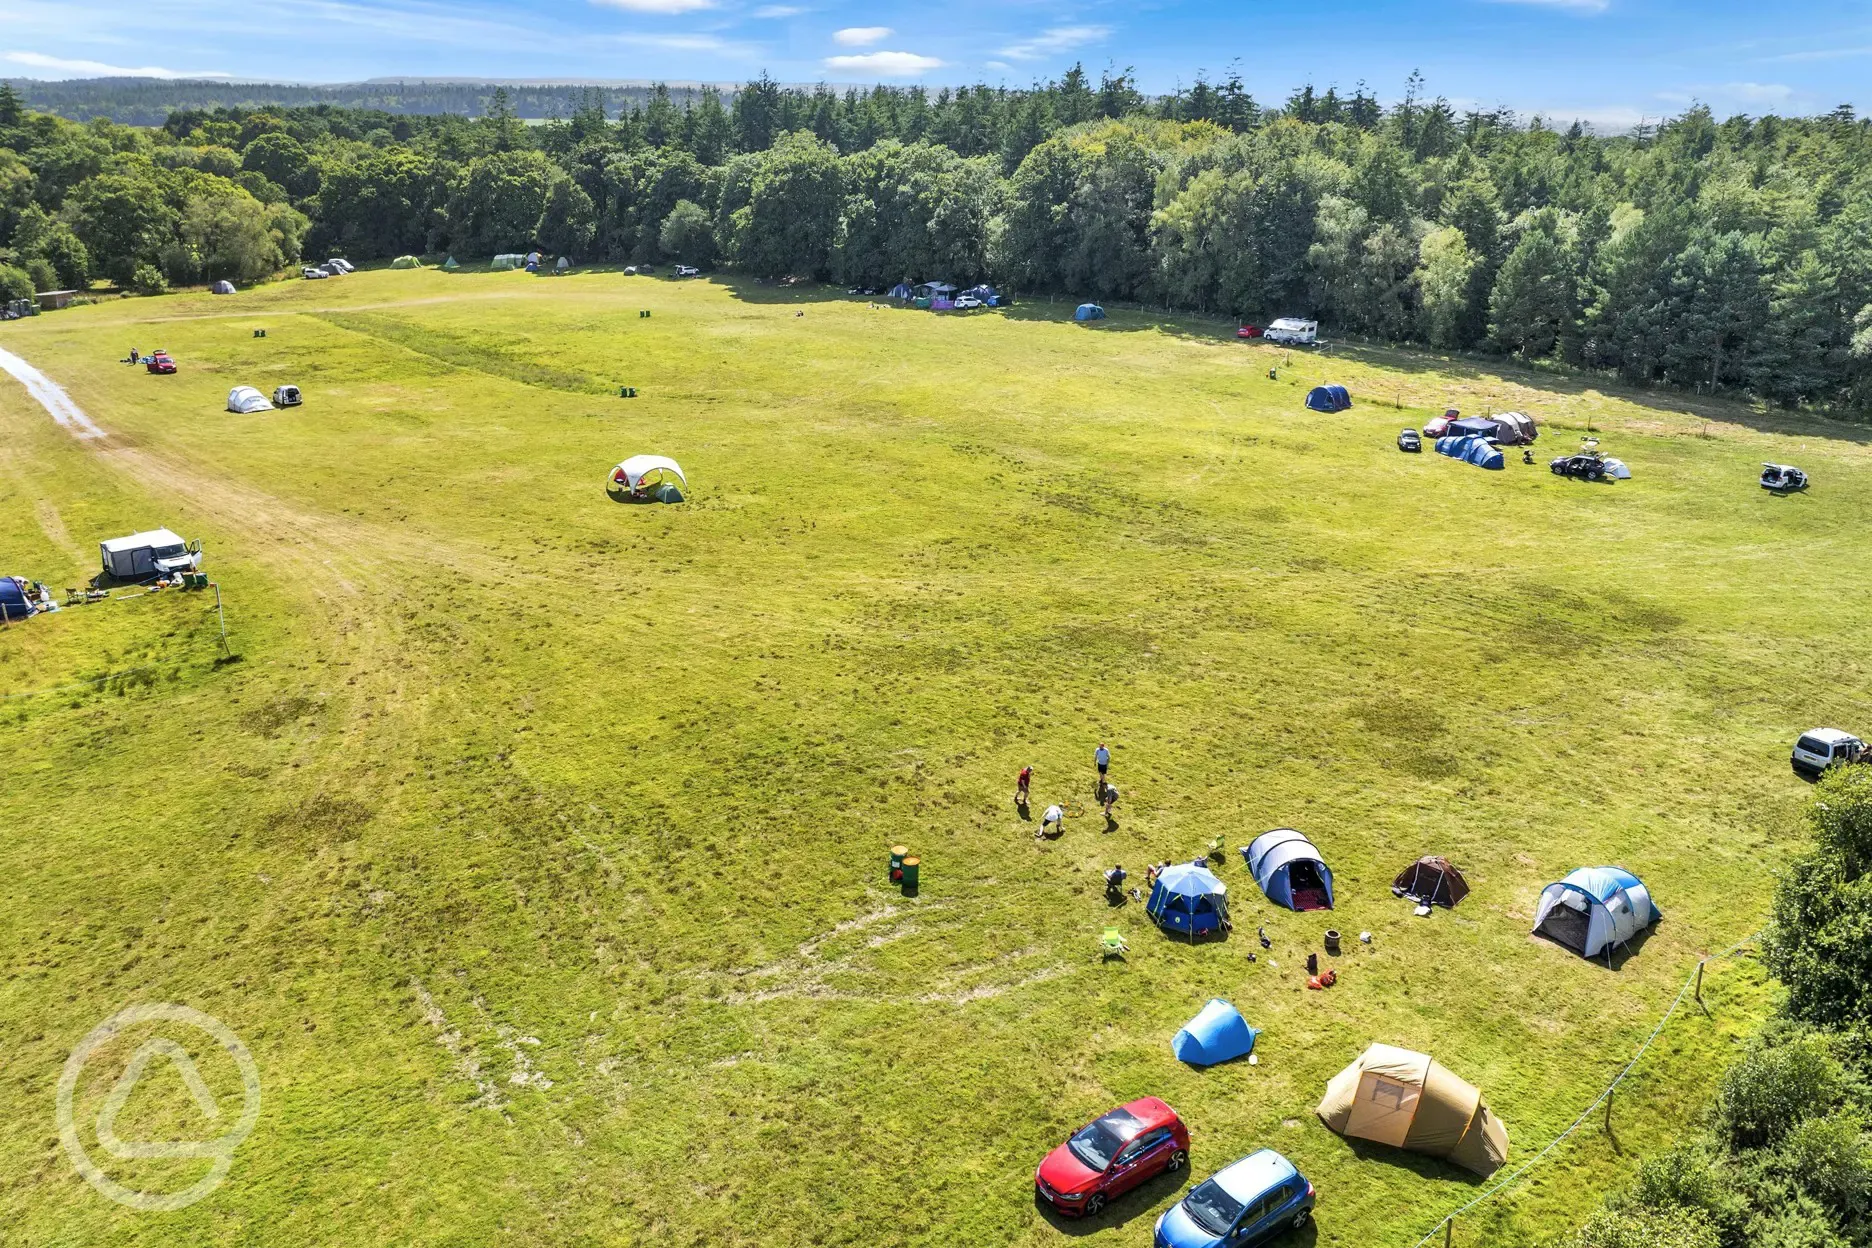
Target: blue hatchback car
[(1250, 1202)]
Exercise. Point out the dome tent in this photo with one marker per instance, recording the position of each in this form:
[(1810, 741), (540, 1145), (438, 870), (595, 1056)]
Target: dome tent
[(1328, 399), (449, 265), (1188, 898), (406, 262), (246, 399), (506, 261), (1289, 870), (1217, 1034), (1431, 881), (1594, 910), (1397, 1097), (1475, 451), (646, 478), (16, 600), (1089, 312), (222, 287)]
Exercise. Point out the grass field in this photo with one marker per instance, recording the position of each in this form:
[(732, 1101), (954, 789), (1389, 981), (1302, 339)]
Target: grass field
[(535, 845)]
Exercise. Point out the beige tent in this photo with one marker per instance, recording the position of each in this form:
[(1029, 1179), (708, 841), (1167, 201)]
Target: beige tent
[(1404, 1099)]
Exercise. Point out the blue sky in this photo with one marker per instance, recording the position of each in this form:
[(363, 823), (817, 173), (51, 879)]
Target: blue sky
[(1610, 62)]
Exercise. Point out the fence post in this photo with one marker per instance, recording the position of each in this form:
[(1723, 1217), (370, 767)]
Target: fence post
[(222, 615), (1449, 1229), (1610, 1093), (1699, 987)]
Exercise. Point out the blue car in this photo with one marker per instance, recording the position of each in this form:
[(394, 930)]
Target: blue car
[(1250, 1202)]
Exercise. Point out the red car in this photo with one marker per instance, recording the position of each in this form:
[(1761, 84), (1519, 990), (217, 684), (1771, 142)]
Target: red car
[(159, 362), (1439, 426), (1113, 1154), (1248, 331)]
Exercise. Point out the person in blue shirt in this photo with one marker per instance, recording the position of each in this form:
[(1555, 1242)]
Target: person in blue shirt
[(1102, 757)]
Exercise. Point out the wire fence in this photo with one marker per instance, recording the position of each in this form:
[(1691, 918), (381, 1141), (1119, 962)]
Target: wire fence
[(1693, 978)]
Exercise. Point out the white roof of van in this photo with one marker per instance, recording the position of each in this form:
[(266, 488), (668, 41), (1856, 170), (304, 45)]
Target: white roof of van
[(1293, 322), (137, 541), (1832, 736)]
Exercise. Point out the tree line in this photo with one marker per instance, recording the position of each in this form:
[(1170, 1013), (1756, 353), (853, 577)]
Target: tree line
[(1731, 256)]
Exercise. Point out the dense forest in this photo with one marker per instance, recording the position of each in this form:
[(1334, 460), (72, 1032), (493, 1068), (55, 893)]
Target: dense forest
[(1723, 256)]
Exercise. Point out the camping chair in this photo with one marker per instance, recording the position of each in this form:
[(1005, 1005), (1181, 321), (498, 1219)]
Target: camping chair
[(1215, 848), (1112, 943)]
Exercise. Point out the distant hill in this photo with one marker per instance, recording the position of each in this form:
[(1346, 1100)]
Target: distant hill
[(148, 101)]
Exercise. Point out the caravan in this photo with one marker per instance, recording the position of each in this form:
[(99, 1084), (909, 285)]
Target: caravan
[(146, 556), (1290, 332)]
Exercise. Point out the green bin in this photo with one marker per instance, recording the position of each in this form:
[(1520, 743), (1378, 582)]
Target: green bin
[(910, 866), (897, 855)]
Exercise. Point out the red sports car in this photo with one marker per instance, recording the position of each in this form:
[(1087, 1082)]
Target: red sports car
[(1438, 426), (159, 362), (1107, 1158), (1248, 331)]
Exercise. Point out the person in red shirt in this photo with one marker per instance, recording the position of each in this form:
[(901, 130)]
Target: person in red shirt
[(1021, 786)]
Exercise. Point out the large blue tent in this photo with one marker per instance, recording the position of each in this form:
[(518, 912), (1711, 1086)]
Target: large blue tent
[(1594, 910), (1475, 451), (1188, 898), (1289, 870), (1218, 1034), (1089, 312), (14, 604), (1328, 399)]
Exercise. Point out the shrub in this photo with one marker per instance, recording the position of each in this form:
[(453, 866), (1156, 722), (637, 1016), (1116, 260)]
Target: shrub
[(148, 280), (1780, 1084), (1646, 1228), (15, 282), (1827, 1157), (43, 275)]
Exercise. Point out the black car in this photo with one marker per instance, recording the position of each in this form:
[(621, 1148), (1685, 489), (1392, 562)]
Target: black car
[(1409, 440), (1585, 467)]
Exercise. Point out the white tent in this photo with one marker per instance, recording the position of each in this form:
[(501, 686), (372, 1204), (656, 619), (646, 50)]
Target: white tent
[(247, 399), (1595, 909), (223, 288), (633, 470)]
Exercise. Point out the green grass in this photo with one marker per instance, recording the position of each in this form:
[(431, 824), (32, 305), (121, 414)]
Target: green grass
[(512, 786)]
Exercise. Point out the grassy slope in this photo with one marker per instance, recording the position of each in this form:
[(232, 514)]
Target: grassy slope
[(512, 782)]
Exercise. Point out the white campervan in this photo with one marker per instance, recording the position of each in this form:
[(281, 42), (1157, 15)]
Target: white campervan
[(1290, 332), (146, 556)]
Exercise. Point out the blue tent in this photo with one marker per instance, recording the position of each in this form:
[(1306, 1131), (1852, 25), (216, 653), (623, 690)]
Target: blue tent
[(1089, 312), (1475, 451), (1594, 910), (902, 291), (1217, 1034), (1188, 898), (1328, 399), (1289, 870), (14, 605)]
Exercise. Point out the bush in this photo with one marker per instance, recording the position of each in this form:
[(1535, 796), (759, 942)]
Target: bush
[(1779, 1085), (148, 280), (1687, 1179), (1816, 945), (1646, 1228), (68, 256), (1827, 1157), (43, 275), (15, 282)]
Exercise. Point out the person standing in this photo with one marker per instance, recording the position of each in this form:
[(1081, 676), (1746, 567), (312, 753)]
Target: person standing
[(1101, 757), (1108, 797), (1021, 784)]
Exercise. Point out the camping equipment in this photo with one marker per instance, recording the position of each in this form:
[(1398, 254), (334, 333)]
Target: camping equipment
[(140, 556), (1471, 450), (1616, 469), (20, 598), (910, 867), (449, 265), (507, 261), (1474, 427), (246, 399), (897, 855), (1332, 941), (1398, 1097), (1312, 963), (1218, 1033), (1328, 399), (406, 262), (635, 475), (223, 287), (1113, 942), (1325, 979), (1188, 898), (1089, 312), (287, 396), (1431, 881), (1290, 870), (1594, 910), (1517, 428), (901, 291)]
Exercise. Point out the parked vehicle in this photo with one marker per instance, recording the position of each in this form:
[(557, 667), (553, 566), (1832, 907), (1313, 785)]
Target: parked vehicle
[(1408, 440), (160, 363), (1587, 466), (1248, 331), (1290, 332), (287, 396), (146, 556), (1821, 748), (688, 270), (340, 266), (312, 274), (1438, 426), (966, 303), (1250, 1202), (1111, 1155), (1782, 478)]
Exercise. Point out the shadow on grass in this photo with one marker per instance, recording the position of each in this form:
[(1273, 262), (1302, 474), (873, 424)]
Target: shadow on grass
[(1620, 956), (1422, 1165), (1128, 1208)]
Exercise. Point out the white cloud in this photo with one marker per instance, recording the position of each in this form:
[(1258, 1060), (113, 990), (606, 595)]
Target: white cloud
[(861, 36), (885, 64), (1569, 6), (772, 11), (98, 69), (1824, 54), (997, 65), (1057, 39), (657, 6), (1770, 93)]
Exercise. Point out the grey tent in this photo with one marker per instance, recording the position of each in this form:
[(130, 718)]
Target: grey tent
[(406, 262), (223, 287), (506, 261)]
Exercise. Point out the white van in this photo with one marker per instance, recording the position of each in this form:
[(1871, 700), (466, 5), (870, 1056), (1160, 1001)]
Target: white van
[(1289, 332), (1821, 748), (146, 556)]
